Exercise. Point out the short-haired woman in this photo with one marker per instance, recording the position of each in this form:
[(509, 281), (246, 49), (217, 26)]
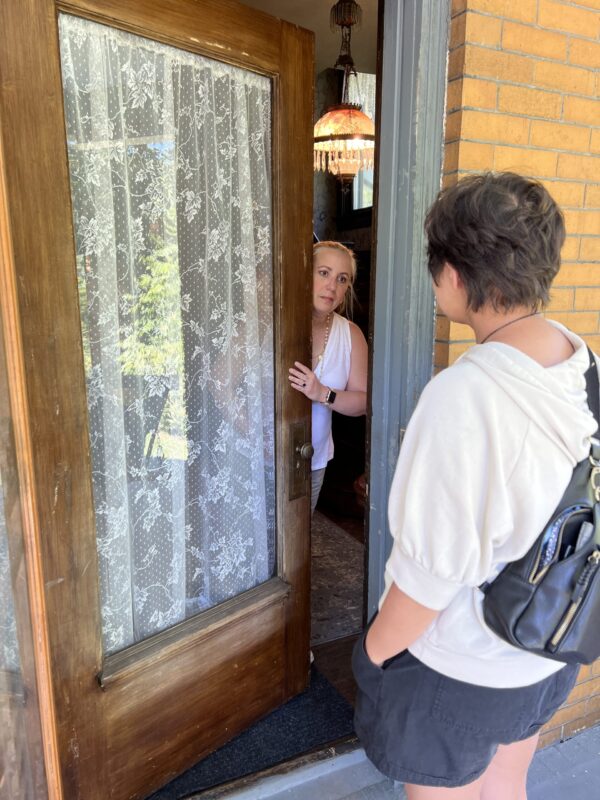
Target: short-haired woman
[(485, 459), (337, 378)]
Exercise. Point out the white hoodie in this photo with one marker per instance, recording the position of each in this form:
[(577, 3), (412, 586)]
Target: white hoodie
[(485, 460)]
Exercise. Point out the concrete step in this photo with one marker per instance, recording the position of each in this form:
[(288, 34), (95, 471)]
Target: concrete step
[(568, 769)]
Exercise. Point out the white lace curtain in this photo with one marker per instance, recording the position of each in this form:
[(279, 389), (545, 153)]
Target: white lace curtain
[(9, 647), (362, 90), (170, 161)]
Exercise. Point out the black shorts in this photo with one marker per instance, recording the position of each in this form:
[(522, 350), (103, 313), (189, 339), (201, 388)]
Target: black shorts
[(419, 726)]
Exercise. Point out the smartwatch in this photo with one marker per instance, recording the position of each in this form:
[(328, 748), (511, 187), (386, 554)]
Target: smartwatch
[(329, 397)]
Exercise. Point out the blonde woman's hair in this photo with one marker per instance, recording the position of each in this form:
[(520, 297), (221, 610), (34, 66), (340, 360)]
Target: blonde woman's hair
[(347, 305)]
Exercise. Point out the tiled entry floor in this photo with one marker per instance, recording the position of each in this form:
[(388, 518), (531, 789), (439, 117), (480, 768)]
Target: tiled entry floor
[(563, 770)]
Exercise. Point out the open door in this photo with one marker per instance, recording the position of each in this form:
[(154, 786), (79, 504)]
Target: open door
[(157, 172)]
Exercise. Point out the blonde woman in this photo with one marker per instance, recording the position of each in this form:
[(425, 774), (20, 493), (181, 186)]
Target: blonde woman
[(337, 377)]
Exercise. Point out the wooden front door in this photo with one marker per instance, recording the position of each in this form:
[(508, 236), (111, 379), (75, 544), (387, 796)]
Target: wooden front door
[(156, 162)]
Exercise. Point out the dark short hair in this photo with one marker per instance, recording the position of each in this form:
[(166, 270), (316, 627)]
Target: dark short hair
[(503, 233)]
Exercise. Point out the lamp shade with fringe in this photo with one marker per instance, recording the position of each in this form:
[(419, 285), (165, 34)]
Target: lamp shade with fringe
[(344, 140)]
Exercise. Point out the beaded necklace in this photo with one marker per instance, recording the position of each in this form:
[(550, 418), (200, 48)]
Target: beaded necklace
[(321, 356)]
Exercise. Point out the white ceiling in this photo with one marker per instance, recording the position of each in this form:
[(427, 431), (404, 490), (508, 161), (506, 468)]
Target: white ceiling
[(314, 15)]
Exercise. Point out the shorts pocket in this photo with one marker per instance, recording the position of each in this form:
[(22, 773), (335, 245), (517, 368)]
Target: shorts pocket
[(366, 673), (368, 678), (478, 709)]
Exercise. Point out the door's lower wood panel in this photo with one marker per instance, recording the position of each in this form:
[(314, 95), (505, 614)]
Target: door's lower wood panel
[(223, 686)]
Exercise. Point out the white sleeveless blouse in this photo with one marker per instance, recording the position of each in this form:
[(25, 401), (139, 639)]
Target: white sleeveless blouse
[(334, 372)]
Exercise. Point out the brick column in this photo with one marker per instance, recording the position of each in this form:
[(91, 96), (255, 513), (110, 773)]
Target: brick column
[(522, 95), (523, 83)]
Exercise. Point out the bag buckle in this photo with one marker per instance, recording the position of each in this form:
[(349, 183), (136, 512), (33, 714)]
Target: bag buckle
[(594, 452), (595, 481)]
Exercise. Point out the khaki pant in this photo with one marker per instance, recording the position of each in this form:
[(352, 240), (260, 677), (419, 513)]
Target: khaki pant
[(316, 481)]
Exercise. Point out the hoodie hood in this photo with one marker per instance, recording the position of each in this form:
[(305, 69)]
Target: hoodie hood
[(547, 395)]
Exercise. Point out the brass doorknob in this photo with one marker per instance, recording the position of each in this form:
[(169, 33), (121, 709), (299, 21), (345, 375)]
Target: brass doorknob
[(306, 450)]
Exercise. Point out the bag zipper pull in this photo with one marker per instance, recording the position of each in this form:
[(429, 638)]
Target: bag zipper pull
[(593, 561)]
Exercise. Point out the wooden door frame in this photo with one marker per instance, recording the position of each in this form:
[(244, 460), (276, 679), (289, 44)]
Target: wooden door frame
[(44, 349)]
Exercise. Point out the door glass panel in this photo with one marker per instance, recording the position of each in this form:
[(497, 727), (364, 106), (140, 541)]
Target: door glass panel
[(170, 161), (9, 646), (17, 767), (22, 773)]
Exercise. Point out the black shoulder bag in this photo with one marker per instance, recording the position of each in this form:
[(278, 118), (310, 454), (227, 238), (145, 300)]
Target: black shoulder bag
[(548, 602)]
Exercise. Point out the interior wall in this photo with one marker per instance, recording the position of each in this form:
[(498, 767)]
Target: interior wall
[(314, 15)]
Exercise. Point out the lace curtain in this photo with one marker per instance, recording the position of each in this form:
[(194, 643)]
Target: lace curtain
[(362, 90), (170, 161), (9, 647)]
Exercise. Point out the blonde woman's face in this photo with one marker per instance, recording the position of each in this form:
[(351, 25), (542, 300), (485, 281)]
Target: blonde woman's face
[(332, 276)]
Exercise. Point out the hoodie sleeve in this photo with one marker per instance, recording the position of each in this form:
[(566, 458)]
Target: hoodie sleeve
[(448, 505)]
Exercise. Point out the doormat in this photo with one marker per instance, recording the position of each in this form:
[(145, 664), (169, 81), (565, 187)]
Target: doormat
[(316, 717)]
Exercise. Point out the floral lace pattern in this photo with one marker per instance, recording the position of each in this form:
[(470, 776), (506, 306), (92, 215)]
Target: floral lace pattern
[(9, 646), (362, 90), (170, 165)]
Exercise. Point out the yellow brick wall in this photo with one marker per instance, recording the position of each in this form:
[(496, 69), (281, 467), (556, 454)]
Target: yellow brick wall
[(524, 95)]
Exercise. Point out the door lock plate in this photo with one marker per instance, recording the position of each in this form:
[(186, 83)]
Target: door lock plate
[(301, 452)]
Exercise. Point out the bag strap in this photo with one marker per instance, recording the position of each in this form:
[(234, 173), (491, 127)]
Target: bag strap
[(592, 387), (593, 393)]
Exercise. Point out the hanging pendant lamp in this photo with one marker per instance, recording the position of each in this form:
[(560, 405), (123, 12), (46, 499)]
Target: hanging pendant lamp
[(344, 137)]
